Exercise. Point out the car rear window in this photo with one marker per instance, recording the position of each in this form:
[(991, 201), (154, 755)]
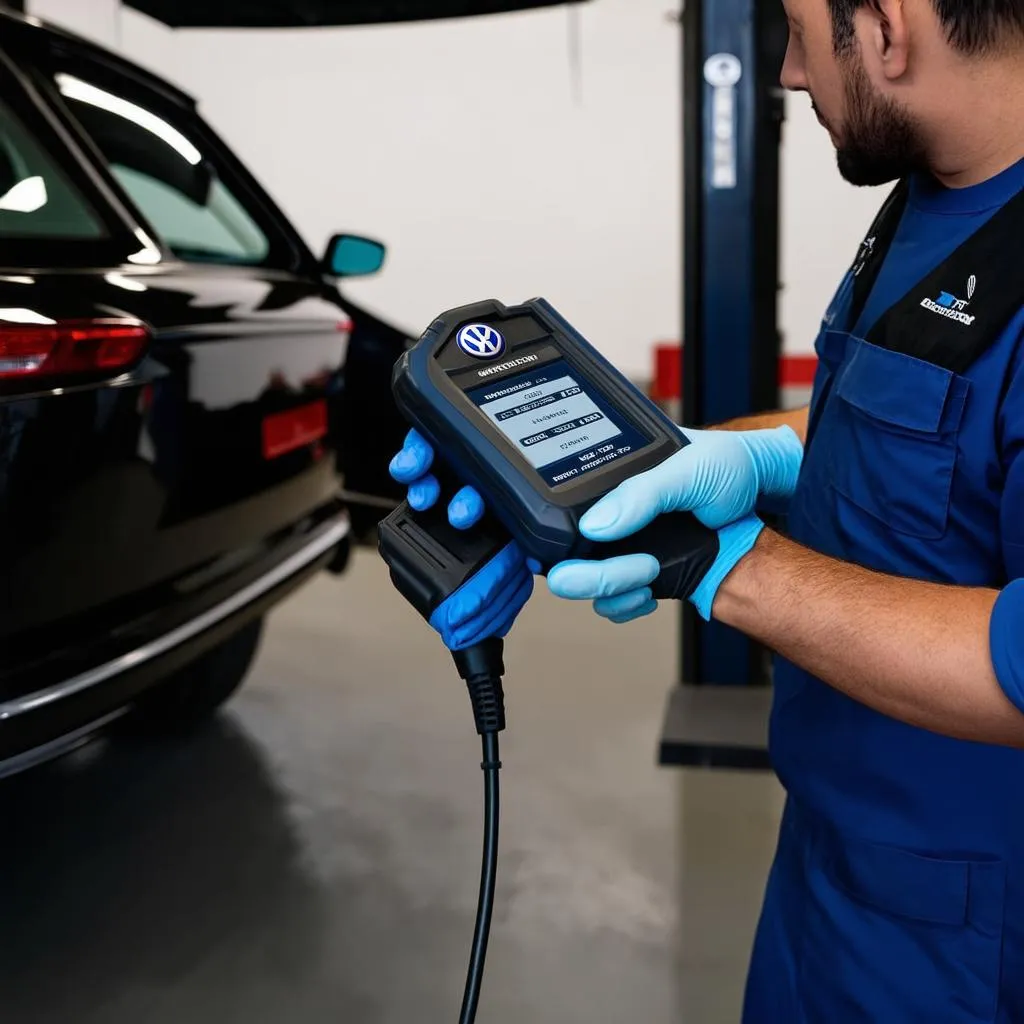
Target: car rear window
[(168, 172), (37, 201)]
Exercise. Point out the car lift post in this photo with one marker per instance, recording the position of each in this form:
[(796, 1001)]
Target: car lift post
[(733, 111)]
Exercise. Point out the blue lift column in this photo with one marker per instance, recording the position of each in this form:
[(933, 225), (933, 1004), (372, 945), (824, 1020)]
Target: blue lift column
[(733, 110)]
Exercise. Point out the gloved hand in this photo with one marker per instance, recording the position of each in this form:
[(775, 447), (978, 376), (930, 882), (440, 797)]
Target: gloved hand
[(412, 466), (620, 587), (719, 476), (489, 603)]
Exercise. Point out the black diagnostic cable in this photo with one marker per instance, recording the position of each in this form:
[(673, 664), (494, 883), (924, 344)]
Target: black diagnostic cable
[(482, 668), (429, 561)]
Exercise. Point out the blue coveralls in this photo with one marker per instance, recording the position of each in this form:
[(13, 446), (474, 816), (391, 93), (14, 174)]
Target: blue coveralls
[(897, 891)]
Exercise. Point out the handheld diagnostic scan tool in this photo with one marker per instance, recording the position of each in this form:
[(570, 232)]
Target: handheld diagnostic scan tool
[(518, 404)]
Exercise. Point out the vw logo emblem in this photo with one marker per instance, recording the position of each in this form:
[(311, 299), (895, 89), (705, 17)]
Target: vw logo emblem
[(481, 341)]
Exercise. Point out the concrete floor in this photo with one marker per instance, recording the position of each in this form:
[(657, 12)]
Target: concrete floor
[(314, 857)]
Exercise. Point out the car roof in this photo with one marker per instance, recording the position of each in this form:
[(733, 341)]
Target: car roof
[(30, 32)]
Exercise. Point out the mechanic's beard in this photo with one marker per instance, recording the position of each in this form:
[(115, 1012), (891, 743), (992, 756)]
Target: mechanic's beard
[(881, 142)]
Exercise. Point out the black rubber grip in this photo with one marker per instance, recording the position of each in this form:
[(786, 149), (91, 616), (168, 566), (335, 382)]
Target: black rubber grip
[(682, 544), (429, 559)]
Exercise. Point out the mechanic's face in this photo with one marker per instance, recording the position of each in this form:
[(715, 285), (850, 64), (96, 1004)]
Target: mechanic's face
[(876, 139)]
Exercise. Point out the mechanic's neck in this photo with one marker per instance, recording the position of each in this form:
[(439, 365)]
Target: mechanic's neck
[(970, 147)]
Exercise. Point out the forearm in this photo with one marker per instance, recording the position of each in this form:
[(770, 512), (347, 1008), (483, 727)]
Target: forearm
[(918, 652), (796, 419)]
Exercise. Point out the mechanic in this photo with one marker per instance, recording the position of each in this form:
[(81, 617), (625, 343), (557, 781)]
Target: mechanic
[(895, 600)]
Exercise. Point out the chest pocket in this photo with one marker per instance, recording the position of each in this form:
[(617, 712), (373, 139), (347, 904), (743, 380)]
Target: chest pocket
[(895, 422)]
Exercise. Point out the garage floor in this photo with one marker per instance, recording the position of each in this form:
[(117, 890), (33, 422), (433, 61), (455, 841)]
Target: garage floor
[(314, 858)]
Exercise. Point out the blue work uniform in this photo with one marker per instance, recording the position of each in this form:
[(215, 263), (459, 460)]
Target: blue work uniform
[(897, 891)]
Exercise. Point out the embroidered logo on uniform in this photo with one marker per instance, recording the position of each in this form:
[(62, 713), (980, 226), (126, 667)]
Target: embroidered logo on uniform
[(951, 306)]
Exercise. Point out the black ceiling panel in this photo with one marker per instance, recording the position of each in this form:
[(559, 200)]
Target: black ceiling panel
[(314, 13)]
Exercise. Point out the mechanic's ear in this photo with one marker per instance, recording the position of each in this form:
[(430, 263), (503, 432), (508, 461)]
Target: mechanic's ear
[(888, 37)]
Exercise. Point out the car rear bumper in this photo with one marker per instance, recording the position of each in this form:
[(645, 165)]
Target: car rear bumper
[(42, 722)]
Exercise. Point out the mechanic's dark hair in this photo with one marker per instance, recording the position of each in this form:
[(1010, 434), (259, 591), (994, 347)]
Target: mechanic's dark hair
[(972, 26)]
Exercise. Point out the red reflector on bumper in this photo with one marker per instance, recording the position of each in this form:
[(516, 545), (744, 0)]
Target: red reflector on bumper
[(285, 431), (69, 347)]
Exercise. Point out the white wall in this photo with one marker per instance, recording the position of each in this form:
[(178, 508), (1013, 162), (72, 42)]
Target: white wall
[(466, 146), (96, 19)]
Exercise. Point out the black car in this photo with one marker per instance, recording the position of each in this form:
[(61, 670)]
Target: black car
[(192, 419)]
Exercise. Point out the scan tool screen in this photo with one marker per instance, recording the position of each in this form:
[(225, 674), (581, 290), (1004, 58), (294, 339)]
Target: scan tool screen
[(560, 426)]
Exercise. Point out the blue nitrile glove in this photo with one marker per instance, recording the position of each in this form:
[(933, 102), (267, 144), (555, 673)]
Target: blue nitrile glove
[(412, 466), (488, 604), (719, 476), (620, 587)]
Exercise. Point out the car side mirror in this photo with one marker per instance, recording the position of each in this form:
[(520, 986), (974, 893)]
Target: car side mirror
[(353, 256)]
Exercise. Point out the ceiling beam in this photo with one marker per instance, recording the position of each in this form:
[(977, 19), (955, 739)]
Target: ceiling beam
[(320, 13)]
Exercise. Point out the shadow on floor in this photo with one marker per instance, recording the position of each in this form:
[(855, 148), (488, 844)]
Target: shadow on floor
[(126, 864)]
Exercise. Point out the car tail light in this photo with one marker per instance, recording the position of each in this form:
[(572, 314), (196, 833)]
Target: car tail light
[(70, 347)]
